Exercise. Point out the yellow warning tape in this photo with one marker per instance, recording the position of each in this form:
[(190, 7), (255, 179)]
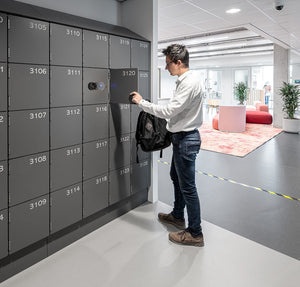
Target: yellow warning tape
[(242, 184)]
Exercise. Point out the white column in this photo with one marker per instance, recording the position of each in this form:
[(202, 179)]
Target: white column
[(281, 74), (141, 17)]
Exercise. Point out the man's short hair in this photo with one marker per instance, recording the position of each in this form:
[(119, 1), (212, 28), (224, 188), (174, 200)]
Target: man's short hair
[(177, 52)]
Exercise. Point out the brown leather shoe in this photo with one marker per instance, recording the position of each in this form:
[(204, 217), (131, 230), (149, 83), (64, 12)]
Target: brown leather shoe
[(170, 219), (186, 238)]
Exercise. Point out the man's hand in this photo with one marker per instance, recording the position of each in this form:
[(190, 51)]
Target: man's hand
[(136, 97)]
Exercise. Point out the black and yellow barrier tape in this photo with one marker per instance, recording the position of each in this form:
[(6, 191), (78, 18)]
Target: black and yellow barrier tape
[(242, 184)]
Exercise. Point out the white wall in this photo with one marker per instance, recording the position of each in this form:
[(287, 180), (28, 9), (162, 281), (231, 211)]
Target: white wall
[(107, 11)]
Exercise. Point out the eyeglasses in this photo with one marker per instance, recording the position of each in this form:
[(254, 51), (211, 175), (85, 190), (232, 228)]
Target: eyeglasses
[(168, 63)]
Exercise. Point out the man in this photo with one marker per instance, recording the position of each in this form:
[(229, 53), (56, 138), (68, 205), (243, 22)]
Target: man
[(184, 115)]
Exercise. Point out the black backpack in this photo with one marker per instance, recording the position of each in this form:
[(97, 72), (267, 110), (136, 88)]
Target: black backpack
[(151, 133)]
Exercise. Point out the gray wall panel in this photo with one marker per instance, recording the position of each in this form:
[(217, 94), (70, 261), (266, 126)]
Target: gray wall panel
[(3, 37), (95, 158), (28, 132), (65, 86), (3, 185), (65, 167), (3, 86), (95, 49), (95, 194), (66, 126), (29, 222), (3, 233), (65, 207), (65, 45), (28, 40), (95, 122), (28, 86), (28, 177)]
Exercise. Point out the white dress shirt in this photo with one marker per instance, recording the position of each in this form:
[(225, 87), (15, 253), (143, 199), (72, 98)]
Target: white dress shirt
[(184, 110)]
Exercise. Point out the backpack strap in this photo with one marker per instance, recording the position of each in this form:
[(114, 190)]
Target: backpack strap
[(160, 154), (137, 154)]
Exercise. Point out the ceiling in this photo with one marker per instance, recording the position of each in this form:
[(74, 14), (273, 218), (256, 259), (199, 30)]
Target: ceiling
[(216, 38)]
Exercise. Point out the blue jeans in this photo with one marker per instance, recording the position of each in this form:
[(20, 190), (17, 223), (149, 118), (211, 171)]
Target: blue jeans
[(186, 146)]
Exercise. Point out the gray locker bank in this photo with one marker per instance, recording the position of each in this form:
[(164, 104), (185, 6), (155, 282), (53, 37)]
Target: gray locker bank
[(67, 129)]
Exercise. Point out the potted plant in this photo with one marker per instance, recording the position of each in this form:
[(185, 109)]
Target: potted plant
[(240, 90), (290, 95)]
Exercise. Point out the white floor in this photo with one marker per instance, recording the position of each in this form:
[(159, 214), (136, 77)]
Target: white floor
[(134, 250)]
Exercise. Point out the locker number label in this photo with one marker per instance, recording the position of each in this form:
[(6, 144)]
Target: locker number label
[(72, 190), (2, 217), (1, 168), (144, 45), (2, 69), (124, 139), (102, 179), (1, 119), (37, 26), (124, 171), (101, 37), (128, 73), (37, 204), (101, 109), (38, 159), (101, 144), (73, 112), (1, 20), (73, 33), (73, 72), (39, 115), (73, 151), (37, 71), (124, 42)]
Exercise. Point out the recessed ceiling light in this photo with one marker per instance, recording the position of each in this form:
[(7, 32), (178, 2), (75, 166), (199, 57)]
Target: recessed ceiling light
[(233, 10)]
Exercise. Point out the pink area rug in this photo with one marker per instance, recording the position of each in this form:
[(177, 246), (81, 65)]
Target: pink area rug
[(238, 144)]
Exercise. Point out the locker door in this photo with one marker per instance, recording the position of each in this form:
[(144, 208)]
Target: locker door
[(65, 207), (119, 119), (3, 234), (95, 86), (29, 223), (66, 126), (140, 55), (119, 152), (28, 177), (119, 52), (119, 185), (95, 195), (65, 167), (95, 122), (122, 83), (3, 37), (135, 111), (140, 177), (144, 84), (141, 154), (3, 135), (28, 132), (95, 158), (28, 40), (65, 86), (95, 49), (28, 86), (65, 45), (3, 185), (3, 87)]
